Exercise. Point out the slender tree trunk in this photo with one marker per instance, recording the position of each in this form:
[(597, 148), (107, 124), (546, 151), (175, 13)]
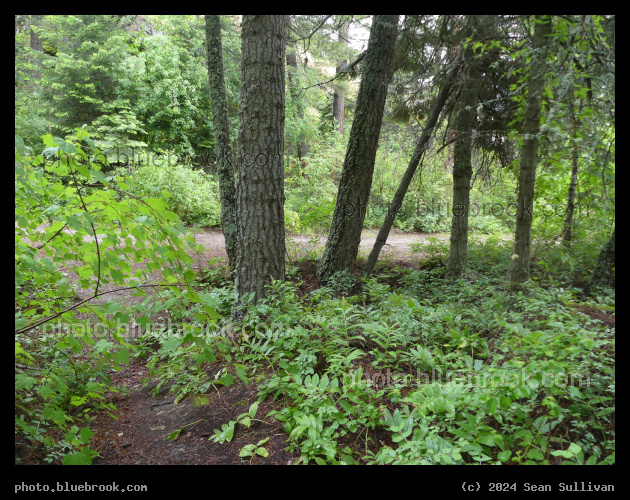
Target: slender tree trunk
[(356, 176), (462, 171), (260, 181), (603, 269), (221, 129), (302, 145), (462, 155), (419, 150), (37, 44), (339, 98), (520, 265), (567, 233)]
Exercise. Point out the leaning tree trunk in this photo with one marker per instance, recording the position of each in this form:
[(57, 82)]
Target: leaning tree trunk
[(419, 150), (221, 129), (603, 269), (520, 265), (260, 181), (339, 98), (356, 176)]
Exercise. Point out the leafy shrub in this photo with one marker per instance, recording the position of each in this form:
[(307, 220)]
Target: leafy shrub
[(57, 219), (486, 224), (194, 195)]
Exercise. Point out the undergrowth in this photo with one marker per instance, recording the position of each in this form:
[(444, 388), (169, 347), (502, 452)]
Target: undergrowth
[(418, 371)]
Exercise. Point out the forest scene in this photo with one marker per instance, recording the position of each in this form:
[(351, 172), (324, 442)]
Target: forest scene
[(315, 240)]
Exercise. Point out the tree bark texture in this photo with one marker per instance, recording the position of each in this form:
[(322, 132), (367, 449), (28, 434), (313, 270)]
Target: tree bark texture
[(221, 130), (356, 176), (36, 42), (421, 147), (260, 180), (520, 265), (603, 269)]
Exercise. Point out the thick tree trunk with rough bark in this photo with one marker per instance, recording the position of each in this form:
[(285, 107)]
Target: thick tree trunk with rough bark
[(221, 129), (421, 147), (339, 98), (260, 181), (36, 42), (356, 176), (520, 265), (603, 269)]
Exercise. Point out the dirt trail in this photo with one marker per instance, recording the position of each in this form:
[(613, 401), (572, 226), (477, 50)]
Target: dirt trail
[(398, 246)]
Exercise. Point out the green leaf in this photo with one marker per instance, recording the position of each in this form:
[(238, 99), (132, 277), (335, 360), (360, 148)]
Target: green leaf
[(487, 439), (247, 450), (493, 404), (122, 357), (23, 381), (562, 453), (83, 457), (174, 435), (535, 454), (241, 373), (253, 408), (86, 434)]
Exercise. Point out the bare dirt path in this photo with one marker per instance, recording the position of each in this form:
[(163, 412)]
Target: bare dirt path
[(397, 248)]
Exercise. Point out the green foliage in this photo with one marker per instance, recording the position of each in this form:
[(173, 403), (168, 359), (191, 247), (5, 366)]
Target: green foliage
[(167, 87), (191, 194), (83, 75), (57, 219), (525, 399), (227, 431)]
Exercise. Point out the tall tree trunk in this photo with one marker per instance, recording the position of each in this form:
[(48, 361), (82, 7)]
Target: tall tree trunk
[(520, 265), (567, 233), (419, 150), (605, 262), (462, 160), (221, 129), (356, 176), (260, 181), (339, 98), (37, 44), (302, 146)]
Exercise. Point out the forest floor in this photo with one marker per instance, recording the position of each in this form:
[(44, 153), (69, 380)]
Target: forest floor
[(139, 433), (142, 421), (142, 424)]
